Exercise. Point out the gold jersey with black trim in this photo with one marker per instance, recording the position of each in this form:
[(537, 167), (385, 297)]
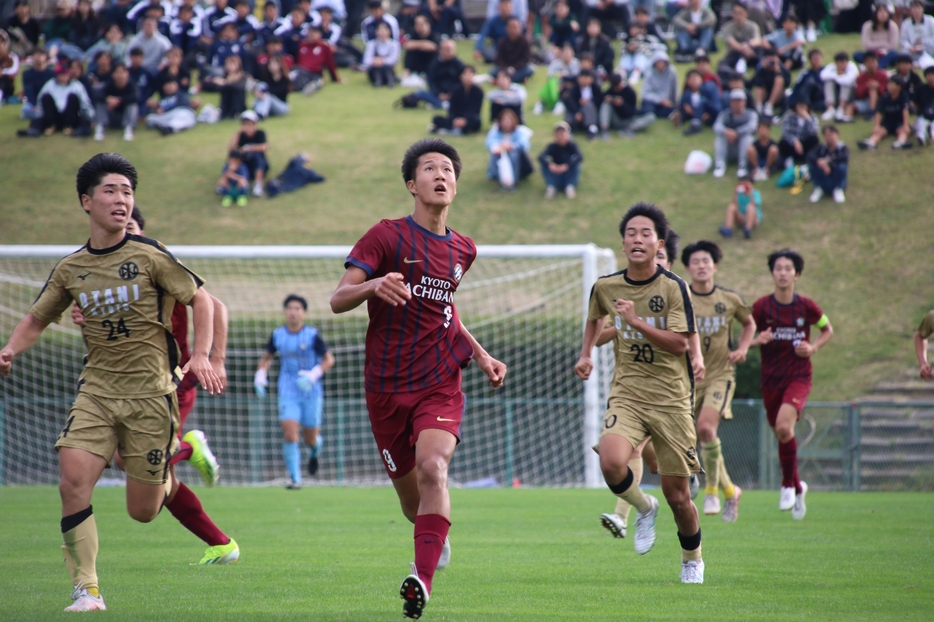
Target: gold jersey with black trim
[(926, 328), (645, 373), (126, 293), (714, 314)]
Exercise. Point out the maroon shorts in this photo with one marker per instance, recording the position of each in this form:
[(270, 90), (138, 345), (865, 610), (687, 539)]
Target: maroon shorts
[(794, 393), (398, 418), (186, 402)]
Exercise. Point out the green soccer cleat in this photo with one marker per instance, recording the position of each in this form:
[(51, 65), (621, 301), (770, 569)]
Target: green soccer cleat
[(202, 458), (222, 553)]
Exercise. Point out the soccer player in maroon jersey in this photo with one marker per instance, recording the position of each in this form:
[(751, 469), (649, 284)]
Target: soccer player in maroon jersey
[(407, 271), (784, 319)]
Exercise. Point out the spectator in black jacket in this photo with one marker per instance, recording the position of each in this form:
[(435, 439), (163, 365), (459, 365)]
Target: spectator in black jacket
[(581, 103), (619, 110), (118, 109), (23, 29), (513, 53), (924, 103), (85, 27), (444, 75), (561, 163), (827, 163), (34, 79), (465, 105), (597, 43), (421, 48)]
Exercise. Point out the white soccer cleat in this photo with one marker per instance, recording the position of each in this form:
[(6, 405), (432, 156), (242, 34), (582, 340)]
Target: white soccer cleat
[(838, 195), (731, 506), (99, 133), (414, 594), (786, 499), (128, 133), (692, 572), (817, 195), (445, 558), (84, 601), (829, 114), (800, 509), (719, 170), (615, 524), (645, 528), (711, 505), (694, 485)]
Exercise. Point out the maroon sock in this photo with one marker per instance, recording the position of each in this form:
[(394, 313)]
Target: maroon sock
[(788, 456), (187, 509), (183, 453), (430, 533)]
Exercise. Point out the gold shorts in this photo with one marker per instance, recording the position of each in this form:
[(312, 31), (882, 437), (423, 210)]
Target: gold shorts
[(672, 434), (145, 430), (716, 394)]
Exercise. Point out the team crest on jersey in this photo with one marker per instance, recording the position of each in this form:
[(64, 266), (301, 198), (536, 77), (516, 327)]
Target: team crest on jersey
[(657, 304), (458, 272), (719, 307), (799, 322), (154, 457), (303, 346), (129, 271)]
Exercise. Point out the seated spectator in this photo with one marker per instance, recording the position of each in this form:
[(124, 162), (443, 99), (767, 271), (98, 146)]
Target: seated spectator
[(100, 76), (508, 144), (9, 69), (274, 47), (660, 90), (912, 81), (581, 102), (788, 42), (506, 95), (377, 16), (810, 13), (345, 53), (743, 42), (213, 21), (564, 67), (466, 104), (494, 29), (57, 28), (185, 31), (839, 86), (144, 80), (800, 132), (380, 58), (827, 164), (24, 31), (619, 111), (735, 81), (561, 163), (880, 35), (314, 56), (869, 85), (769, 84), (702, 64), (891, 117), (924, 102), (739, 211), (809, 84), (421, 48), (173, 113), (174, 69), (694, 27), (444, 76), (734, 132), (642, 42), (114, 43), (270, 24), (225, 45), (234, 180), (763, 152), (598, 46), (564, 27), (85, 29), (34, 79), (700, 103), (232, 87), (119, 107), (514, 54), (153, 44), (295, 175), (447, 18), (63, 105), (245, 22), (272, 93), (917, 32), (251, 142), (611, 12), (293, 32), (77, 73)]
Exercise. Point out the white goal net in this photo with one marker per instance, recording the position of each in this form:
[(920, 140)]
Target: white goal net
[(526, 304)]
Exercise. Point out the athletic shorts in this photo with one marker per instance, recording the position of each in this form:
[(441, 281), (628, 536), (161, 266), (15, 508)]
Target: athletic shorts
[(398, 418), (307, 411), (892, 125), (716, 394), (672, 434), (144, 429), (186, 403), (794, 393)]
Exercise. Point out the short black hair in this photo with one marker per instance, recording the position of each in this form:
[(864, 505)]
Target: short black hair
[(701, 246), (428, 145), (93, 171), (650, 211), (789, 254), (904, 58), (790, 17), (672, 240), (137, 52), (295, 298), (691, 72), (830, 127), (929, 69), (470, 67), (585, 73), (641, 9), (897, 81), (841, 56), (812, 52), (765, 121), (137, 215), (118, 65), (870, 54), (235, 153)]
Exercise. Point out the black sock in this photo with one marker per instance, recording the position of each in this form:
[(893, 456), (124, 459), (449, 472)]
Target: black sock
[(690, 543), (624, 485), (73, 520)]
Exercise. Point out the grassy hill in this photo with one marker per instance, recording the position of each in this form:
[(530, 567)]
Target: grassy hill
[(866, 259)]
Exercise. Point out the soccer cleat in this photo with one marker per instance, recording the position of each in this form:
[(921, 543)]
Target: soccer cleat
[(128, 133), (445, 558), (719, 170), (84, 601), (817, 195), (414, 594), (694, 485), (241, 200), (838, 195), (866, 144), (99, 133), (293, 486), (829, 114), (761, 175), (731, 506), (615, 524), (222, 553), (800, 509), (645, 528), (257, 189), (227, 201), (726, 232), (202, 459), (313, 465), (692, 572), (786, 499), (711, 505)]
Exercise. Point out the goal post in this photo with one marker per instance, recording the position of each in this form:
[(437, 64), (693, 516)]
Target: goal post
[(525, 303)]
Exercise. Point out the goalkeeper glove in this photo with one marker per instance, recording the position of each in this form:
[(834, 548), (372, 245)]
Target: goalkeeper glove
[(308, 377), (260, 382)]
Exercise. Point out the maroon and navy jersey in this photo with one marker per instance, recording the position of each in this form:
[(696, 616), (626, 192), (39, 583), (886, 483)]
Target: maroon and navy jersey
[(790, 324), (419, 344)]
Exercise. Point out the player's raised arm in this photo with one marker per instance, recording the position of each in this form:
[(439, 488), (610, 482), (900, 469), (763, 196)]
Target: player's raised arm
[(746, 338), (495, 370), (202, 309), (24, 336), (806, 349), (606, 335), (592, 330), (354, 289), (672, 342)]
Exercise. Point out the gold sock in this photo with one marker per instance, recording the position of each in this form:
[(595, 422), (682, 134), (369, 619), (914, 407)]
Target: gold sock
[(726, 484), (622, 509), (80, 551), (712, 457), (691, 556), (622, 506)]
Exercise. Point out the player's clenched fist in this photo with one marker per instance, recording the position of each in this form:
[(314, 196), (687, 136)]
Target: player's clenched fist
[(584, 367), (764, 337), (6, 362), (494, 370), (391, 288), (626, 310)]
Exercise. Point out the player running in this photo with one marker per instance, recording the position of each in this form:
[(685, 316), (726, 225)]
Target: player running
[(653, 382), (126, 286), (304, 358), (784, 320), (715, 308), (925, 330), (407, 270)]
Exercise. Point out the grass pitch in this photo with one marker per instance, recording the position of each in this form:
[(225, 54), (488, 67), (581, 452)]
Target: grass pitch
[(528, 554)]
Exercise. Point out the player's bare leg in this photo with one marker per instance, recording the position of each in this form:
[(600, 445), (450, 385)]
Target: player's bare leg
[(618, 522), (292, 453), (615, 453), (677, 492), (793, 489), (312, 438), (79, 471), (708, 422)]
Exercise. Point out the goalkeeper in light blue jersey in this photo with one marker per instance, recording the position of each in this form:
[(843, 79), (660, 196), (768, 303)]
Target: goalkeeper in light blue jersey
[(303, 360)]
